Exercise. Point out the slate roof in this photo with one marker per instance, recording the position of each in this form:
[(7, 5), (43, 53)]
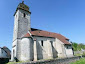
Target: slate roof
[(7, 51), (41, 33)]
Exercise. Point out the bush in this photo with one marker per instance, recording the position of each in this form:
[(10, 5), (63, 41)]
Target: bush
[(4, 60), (81, 61)]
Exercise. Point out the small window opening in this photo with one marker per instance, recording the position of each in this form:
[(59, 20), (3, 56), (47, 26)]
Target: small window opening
[(51, 42), (24, 15), (2, 51), (42, 42), (67, 39), (67, 47)]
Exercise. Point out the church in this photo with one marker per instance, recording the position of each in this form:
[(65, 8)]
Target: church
[(30, 44)]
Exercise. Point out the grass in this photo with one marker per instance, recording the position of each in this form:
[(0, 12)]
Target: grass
[(81, 61), (13, 62), (16, 62), (77, 54), (25, 61)]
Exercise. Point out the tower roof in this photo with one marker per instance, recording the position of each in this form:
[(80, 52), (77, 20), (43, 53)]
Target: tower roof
[(23, 7)]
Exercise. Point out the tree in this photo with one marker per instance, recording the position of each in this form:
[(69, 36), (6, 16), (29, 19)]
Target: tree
[(78, 47), (74, 45)]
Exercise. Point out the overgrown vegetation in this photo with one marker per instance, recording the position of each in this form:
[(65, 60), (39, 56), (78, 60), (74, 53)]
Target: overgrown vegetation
[(81, 61), (13, 62), (17, 62), (78, 47)]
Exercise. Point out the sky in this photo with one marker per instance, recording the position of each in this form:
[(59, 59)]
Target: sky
[(66, 17)]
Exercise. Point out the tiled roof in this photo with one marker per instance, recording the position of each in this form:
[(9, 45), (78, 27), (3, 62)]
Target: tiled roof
[(48, 34)]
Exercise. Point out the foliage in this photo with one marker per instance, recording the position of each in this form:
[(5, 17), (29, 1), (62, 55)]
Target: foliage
[(78, 47), (13, 62), (74, 45), (83, 54), (77, 54), (4, 60), (81, 61), (17, 62)]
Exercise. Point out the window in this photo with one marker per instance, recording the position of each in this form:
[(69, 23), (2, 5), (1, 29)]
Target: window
[(67, 40), (68, 47), (51, 42), (2, 51), (42, 42), (24, 15)]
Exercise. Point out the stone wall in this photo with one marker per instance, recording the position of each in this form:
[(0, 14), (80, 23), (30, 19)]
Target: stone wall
[(53, 61)]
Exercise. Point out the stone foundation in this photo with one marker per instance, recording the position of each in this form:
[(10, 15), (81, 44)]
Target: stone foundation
[(53, 61)]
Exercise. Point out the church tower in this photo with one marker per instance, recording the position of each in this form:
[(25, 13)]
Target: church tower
[(21, 27)]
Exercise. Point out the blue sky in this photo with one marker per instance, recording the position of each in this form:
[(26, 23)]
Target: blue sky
[(66, 17)]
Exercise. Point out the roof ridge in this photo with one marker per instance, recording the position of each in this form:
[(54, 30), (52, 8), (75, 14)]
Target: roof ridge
[(43, 33)]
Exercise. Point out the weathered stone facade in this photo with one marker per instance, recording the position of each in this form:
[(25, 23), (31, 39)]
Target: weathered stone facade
[(39, 46), (21, 27)]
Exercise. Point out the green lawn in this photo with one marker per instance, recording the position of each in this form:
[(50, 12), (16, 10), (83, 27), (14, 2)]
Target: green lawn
[(81, 61)]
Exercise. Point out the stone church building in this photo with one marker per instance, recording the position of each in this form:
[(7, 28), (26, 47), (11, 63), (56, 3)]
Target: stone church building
[(30, 44)]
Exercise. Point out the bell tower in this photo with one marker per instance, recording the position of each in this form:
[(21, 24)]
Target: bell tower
[(21, 27), (22, 20)]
